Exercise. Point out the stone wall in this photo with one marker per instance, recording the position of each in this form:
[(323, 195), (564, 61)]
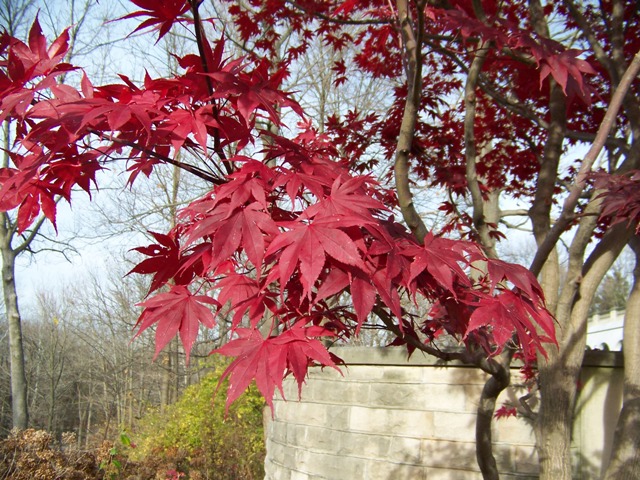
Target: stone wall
[(390, 419), (605, 332)]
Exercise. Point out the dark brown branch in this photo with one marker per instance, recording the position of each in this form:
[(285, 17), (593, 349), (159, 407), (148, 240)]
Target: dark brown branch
[(485, 412), (198, 172), (33, 232), (523, 111), (197, 22), (467, 357), (591, 37), (197, 25)]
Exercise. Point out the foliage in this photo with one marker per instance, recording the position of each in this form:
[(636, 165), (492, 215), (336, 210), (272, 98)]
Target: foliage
[(282, 238), (621, 203), (112, 457), (612, 293), (198, 435)]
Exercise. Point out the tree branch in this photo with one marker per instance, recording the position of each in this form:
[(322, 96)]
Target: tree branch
[(412, 42), (567, 214), (198, 172), (471, 153), (200, 40), (486, 408)]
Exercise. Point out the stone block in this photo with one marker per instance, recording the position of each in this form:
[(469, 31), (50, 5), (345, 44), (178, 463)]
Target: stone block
[(295, 475), (338, 417), (472, 396), (395, 471), (452, 474), (453, 426), (276, 472), (443, 398), (280, 455), (402, 374), (329, 372), (445, 454), (277, 432), (514, 431), (453, 375), (367, 373), (319, 438), (406, 450), (383, 420), (401, 422), (398, 395), (525, 460), (295, 433), (363, 445), (504, 458), (331, 467), (304, 413), (328, 391), (462, 456), (290, 389)]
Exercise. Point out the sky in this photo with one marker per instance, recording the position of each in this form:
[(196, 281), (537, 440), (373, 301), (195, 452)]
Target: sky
[(102, 52)]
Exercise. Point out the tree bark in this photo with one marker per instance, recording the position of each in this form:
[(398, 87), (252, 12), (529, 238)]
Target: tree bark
[(498, 381), (625, 461), (560, 374), (411, 30), (19, 408)]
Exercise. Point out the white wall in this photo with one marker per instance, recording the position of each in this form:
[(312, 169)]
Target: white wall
[(387, 418)]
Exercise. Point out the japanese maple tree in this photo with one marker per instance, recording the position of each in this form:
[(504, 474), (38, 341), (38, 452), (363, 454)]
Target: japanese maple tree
[(296, 238), (286, 230)]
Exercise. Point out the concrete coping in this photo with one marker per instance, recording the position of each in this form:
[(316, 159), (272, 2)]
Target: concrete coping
[(397, 356)]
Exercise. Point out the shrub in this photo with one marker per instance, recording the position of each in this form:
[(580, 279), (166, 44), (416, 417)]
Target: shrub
[(194, 437), (32, 455)]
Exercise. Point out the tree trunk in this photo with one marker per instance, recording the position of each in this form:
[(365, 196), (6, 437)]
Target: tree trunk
[(559, 375), (625, 461), (555, 420), (16, 349), (498, 381)]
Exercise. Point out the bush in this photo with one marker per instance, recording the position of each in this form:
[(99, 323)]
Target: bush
[(194, 437), (32, 455)]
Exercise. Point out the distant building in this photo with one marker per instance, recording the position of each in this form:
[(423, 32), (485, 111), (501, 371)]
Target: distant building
[(604, 332)]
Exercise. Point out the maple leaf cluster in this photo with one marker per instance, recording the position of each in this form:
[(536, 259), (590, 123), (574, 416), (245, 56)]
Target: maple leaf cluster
[(290, 240), (621, 202)]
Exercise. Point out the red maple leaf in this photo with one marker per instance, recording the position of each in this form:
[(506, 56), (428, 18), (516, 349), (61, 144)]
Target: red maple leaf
[(621, 199), (440, 258), (296, 217), (162, 14), (267, 360), (163, 261), (176, 311), (309, 245), (348, 196), (245, 227), (245, 295), (509, 313), (506, 411), (518, 275)]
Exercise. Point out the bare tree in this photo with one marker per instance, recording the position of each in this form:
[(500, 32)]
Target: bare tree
[(17, 16)]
